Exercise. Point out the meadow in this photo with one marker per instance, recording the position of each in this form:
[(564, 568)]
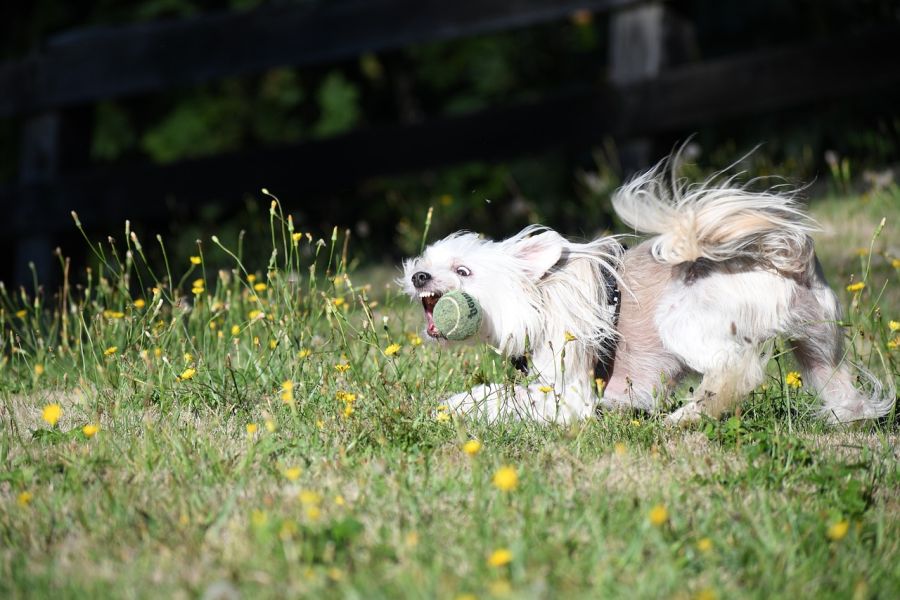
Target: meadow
[(271, 426)]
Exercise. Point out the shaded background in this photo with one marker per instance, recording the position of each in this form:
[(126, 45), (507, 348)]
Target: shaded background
[(484, 124)]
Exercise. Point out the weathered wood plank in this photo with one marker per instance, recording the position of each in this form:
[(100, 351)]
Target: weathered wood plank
[(97, 63)]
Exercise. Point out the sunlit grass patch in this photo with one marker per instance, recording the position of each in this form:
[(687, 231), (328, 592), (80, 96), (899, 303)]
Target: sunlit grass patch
[(274, 427)]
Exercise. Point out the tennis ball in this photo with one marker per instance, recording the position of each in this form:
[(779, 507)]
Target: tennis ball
[(457, 315)]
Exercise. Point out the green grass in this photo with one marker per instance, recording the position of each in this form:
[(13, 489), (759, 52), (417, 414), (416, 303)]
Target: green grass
[(178, 496)]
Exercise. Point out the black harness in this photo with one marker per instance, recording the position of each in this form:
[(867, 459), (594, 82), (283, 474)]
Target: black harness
[(605, 359)]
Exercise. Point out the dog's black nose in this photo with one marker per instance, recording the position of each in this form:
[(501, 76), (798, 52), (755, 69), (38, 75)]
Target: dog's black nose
[(420, 278)]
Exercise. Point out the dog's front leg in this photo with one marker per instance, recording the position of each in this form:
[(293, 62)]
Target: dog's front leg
[(533, 402)]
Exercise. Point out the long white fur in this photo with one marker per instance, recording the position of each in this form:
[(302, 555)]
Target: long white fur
[(534, 289), (716, 219), (729, 268)]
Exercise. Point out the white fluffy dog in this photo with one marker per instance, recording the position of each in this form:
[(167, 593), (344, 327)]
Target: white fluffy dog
[(728, 270)]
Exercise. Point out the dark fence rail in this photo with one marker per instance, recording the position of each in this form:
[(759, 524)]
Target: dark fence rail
[(100, 63), (643, 97)]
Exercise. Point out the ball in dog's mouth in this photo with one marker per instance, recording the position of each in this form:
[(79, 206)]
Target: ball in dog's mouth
[(429, 299)]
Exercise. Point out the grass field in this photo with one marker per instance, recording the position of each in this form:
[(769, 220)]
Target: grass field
[(274, 429)]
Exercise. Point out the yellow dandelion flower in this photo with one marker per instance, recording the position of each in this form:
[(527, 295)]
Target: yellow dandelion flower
[(706, 594), (259, 518), (569, 337), (195, 260), (500, 557), (894, 343), (506, 479), (704, 544), (188, 357), (337, 301), (620, 449), (392, 350), (545, 389), (287, 391), (271, 426), (140, 303), (793, 379), (414, 339), (303, 353), (111, 350), (157, 352), (837, 531), (411, 539), (38, 369), (24, 498), (293, 473), (339, 500), (235, 330), (894, 325), (252, 428), (21, 313), (90, 430), (855, 287), (113, 314), (345, 396), (341, 368), (635, 423), (213, 325), (348, 410), (255, 314), (251, 278), (187, 374), (600, 384), (197, 290), (896, 263), (51, 414), (658, 515), (288, 530), (309, 498), (472, 447), (260, 287), (861, 251), (442, 417), (272, 344), (198, 283), (296, 237), (500, 588)]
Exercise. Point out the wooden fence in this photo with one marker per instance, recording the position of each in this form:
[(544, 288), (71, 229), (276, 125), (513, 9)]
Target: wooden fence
[(644, 96)]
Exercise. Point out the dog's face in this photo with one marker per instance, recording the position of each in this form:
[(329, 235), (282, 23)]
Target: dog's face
[(501, 275)]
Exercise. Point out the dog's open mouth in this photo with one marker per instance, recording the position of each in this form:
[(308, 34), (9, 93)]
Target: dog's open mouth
[(429, 299)]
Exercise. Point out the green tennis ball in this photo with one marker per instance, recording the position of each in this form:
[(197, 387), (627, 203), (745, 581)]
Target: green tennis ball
[(457, 315)]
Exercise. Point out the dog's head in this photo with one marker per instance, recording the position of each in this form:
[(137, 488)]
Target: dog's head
[(502, 276)]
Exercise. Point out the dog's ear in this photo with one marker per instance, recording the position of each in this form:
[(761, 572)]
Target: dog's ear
[(539, 252)]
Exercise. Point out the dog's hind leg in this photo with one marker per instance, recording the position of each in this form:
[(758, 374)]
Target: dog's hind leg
[(819, 348), (723, 386)]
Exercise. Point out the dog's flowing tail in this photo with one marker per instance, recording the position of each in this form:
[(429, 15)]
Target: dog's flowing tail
[(717, 220)]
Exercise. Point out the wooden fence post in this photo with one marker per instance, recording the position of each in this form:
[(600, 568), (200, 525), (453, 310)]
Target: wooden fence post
[(644, 40)]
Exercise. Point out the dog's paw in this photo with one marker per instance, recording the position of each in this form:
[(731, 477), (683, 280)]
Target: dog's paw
[(686, 415), (461, 404)]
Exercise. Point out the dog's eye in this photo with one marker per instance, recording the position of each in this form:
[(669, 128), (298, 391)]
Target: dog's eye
[(463, 271)]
